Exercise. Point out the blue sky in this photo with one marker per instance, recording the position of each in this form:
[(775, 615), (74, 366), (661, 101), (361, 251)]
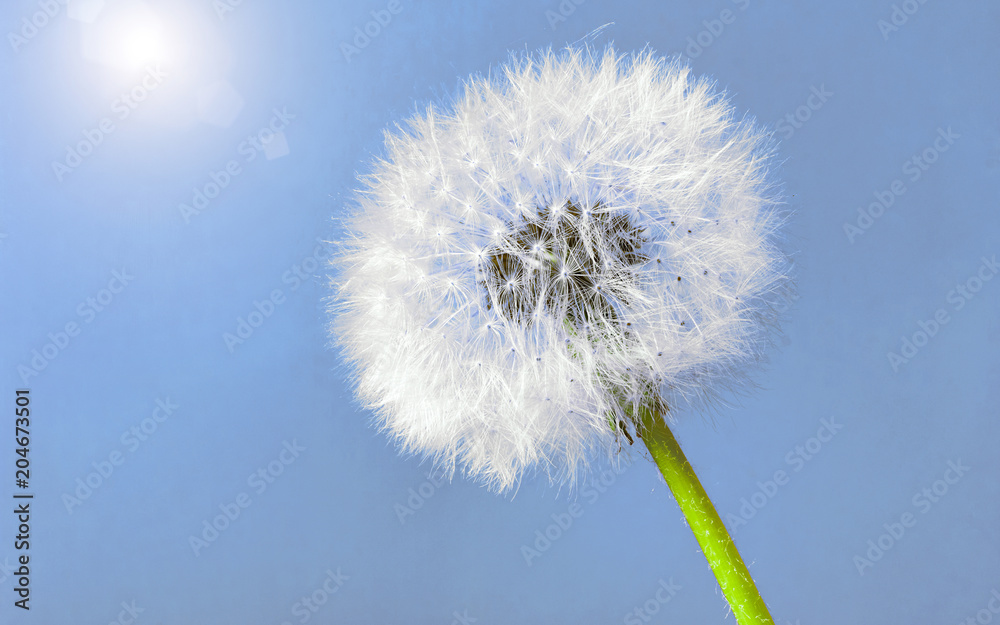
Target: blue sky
[(168, 168)]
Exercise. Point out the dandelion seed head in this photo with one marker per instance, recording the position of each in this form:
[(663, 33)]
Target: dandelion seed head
[(496, 294)]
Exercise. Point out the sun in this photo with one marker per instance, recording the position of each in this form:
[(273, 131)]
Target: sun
[(127, 36), (141, 45)]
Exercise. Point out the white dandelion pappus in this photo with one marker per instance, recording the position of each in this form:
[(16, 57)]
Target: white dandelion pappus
[(574, 235)]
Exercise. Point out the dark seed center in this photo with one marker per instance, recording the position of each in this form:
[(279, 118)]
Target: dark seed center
[(569, 262)]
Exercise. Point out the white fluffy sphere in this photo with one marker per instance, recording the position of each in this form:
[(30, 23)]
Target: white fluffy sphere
[(574, 235)]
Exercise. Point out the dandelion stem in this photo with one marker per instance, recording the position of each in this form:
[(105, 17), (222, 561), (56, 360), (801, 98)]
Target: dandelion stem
[(716, 543)]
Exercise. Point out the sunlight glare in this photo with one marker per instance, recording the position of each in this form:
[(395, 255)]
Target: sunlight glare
[(128, 37)]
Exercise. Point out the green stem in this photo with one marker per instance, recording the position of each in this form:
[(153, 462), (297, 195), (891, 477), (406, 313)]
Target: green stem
[(715, 541)]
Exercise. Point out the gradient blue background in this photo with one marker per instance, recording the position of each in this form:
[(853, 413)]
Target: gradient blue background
[(336, 505)]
